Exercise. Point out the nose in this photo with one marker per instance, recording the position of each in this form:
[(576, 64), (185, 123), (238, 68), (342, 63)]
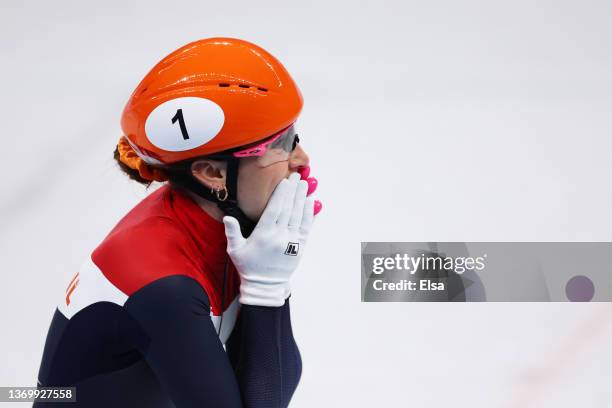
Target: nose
[(299, 162), (298, 158)]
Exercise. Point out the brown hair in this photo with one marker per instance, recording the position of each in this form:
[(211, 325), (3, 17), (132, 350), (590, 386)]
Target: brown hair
[(131, 173)]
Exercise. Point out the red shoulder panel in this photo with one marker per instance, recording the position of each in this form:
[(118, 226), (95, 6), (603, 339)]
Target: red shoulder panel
[(135, 256), (167, 234)]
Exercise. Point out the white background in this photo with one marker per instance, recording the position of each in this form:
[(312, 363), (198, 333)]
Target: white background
[(441, 120)]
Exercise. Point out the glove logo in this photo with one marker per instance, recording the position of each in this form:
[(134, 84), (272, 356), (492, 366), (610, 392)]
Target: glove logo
[(292, 249)]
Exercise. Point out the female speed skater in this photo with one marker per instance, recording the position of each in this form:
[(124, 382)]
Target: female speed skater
[(186, 302)]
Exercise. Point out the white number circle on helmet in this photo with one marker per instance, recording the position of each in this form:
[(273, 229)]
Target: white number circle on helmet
[(184, 123)]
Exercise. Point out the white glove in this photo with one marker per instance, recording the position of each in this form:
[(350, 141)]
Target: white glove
[(267, 259)]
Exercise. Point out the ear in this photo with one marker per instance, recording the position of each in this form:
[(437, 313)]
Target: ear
[(211, 173)]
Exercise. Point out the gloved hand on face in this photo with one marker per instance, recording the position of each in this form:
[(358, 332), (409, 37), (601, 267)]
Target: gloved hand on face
[(268, 257)]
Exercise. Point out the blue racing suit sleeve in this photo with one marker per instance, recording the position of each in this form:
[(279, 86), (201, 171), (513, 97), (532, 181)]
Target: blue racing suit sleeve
[(169, 322), (264, 355)]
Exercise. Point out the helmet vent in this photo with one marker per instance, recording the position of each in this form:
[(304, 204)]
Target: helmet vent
[(226, 85)]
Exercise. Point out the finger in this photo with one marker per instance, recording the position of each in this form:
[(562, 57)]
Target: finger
[(304, 172), (232, 231), (287, 207), (307, 216), (298, 205), (312, 184), (275, 203), (317, 206)]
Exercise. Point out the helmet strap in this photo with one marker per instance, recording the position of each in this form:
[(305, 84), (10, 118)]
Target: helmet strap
[(230, 205)]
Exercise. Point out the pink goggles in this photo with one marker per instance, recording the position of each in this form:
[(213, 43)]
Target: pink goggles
[(275, 149), (278, 148)]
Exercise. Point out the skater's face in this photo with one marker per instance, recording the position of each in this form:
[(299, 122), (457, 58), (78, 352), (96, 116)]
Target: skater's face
[(256, 183)]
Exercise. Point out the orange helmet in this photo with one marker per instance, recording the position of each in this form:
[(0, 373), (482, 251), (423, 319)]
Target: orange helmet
[(208, 96)]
